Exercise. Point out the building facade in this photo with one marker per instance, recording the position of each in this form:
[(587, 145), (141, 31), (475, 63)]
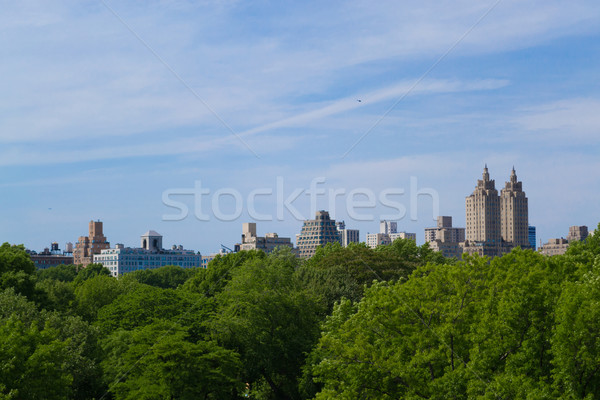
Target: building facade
[(554, 247), (577, 233), (445, 230), (87, 246), (317, 232), (445, 238), (388, 233), (483, 212), (268, 243), (121, 260), (388, 227), (496, 223), (559, 246), (532, 237), (50, 257), (347, 236), (514, 213)]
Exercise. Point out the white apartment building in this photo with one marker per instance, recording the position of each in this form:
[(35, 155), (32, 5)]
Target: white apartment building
[(151, 255)]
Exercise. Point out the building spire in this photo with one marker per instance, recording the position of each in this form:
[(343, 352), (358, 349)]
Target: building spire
[(513, 175), (486, 175)]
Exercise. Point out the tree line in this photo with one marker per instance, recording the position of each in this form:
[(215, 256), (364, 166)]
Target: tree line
[(395, 322)]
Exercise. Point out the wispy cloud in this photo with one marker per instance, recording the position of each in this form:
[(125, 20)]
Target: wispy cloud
[(563, 121)]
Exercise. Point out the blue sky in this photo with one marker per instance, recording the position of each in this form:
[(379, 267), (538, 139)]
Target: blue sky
[(105, 106)]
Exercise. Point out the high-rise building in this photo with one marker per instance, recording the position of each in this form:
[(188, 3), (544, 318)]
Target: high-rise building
[(268, 243), (87, 246), (347, 236), (532, 237), (483, 212), (514, 213), (496, 223), (388, 227), (317, 232)]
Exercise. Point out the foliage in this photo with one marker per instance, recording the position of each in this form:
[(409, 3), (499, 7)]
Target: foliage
[(270, 320), (158, 362), (168, 277), (335, 271), (63, 273), (215, 277), (98, 291), (398, 321), (89, 272), (17, 271)]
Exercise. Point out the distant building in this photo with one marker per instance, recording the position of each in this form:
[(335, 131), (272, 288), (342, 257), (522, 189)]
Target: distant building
[(532, 237), (317, 232), (347, 236), (388, 227), (268, 243), (87, 246), (50, 257), (559, 246), (577, 233), (554, 247), (445, 228), (496, 223), (388, 233), (514, 213), (445, 238), (151, 255), (378, 239)]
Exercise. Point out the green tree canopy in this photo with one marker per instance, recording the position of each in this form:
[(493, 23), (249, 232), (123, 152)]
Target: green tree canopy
[(266, 316), (158, 361), (17, 271), (63, 273)]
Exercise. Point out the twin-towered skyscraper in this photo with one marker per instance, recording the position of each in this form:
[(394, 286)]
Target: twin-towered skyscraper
[(496, 223)]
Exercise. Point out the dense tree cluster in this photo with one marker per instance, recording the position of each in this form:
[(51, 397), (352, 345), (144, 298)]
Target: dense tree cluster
[(396, 322)]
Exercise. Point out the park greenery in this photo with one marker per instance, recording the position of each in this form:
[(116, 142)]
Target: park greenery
[(395, 322)]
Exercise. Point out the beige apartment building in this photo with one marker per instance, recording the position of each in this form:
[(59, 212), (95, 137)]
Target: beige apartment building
[(514, 213), (496, 223), (268, 243), (559, 246), (87, 246), (445, 238)]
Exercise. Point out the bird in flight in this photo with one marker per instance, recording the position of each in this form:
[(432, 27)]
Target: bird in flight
[(359, 100)]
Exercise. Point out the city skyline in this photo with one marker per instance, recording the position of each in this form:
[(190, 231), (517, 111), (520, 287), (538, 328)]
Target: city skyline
[(103, 112)]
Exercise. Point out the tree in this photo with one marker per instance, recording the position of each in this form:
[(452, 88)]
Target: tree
[(16, 269), (158, 361), (219, 271), (79, 353), (98, 291), (168, 277), (576, 341), (472, 329), (265, 315), (55, 295), (145, 304), (89, 272), (32, 362), (63, 273), (335, 271)]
